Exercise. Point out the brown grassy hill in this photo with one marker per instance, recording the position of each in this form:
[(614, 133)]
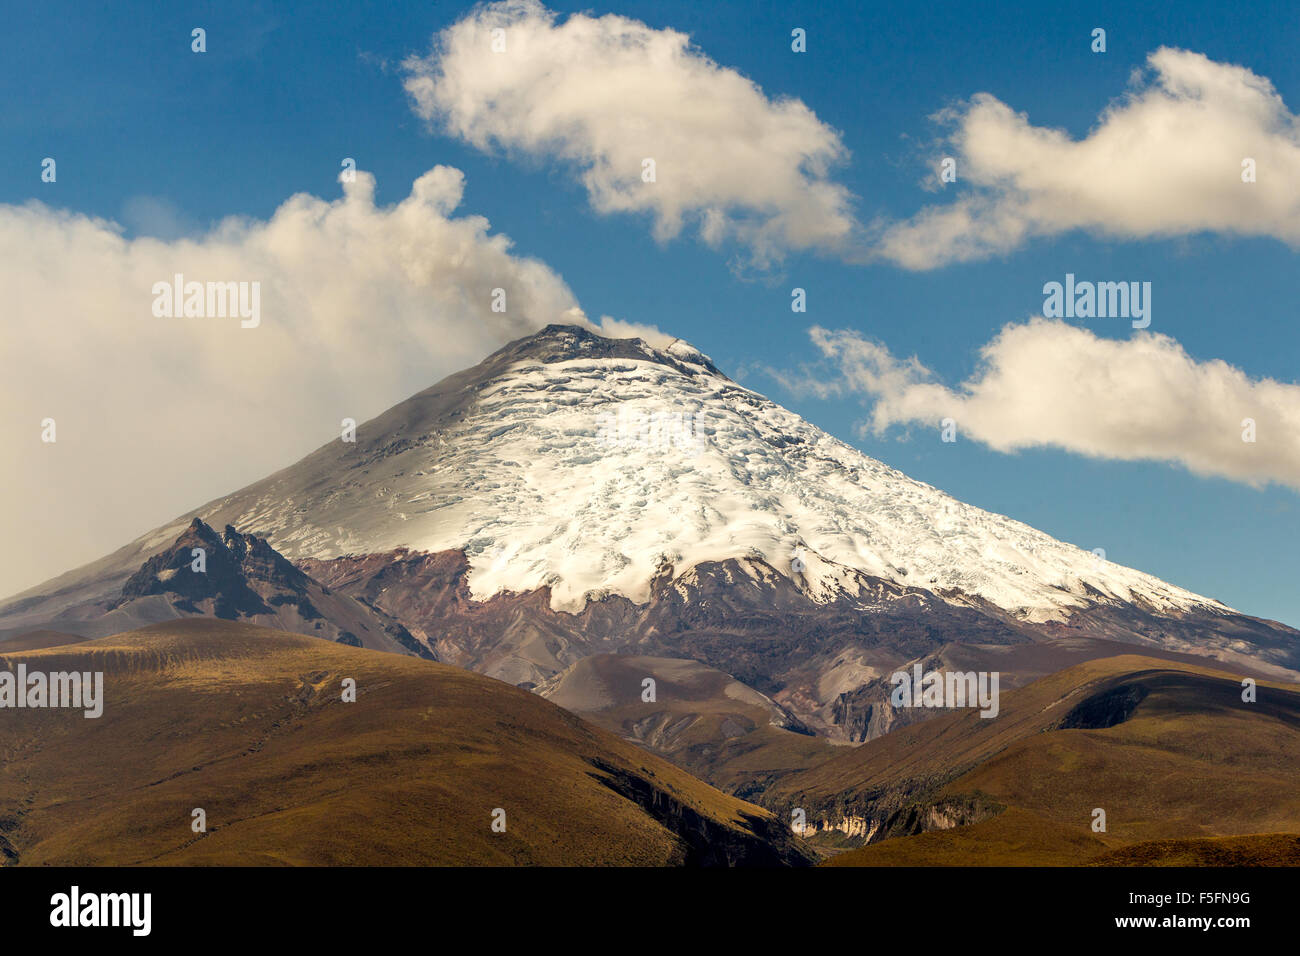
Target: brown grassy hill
[(35, 640), (247, 723), (1261, 849), (1168, 750), (702, 719)]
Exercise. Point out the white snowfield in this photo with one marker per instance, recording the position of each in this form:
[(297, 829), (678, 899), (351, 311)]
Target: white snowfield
[(588, 473)]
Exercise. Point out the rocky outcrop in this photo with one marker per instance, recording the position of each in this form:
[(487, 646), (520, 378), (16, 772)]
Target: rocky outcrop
[(758, 841), (239, 577)]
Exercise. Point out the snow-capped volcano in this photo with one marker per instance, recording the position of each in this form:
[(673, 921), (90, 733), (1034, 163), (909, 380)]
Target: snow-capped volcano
[(586, 464)]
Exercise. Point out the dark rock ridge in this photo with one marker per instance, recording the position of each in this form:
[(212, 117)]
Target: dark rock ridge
[(230, 561), (242, 578)]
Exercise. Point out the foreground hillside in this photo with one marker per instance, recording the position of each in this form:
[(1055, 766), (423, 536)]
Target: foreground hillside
[(1185, 770), (248, 724)]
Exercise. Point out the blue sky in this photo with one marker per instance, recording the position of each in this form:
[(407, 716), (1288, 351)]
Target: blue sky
[(166, 142)]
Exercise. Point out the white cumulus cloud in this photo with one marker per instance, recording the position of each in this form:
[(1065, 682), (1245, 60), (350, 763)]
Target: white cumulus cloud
[(606, 93), (1046, 383), (1164, 160)]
